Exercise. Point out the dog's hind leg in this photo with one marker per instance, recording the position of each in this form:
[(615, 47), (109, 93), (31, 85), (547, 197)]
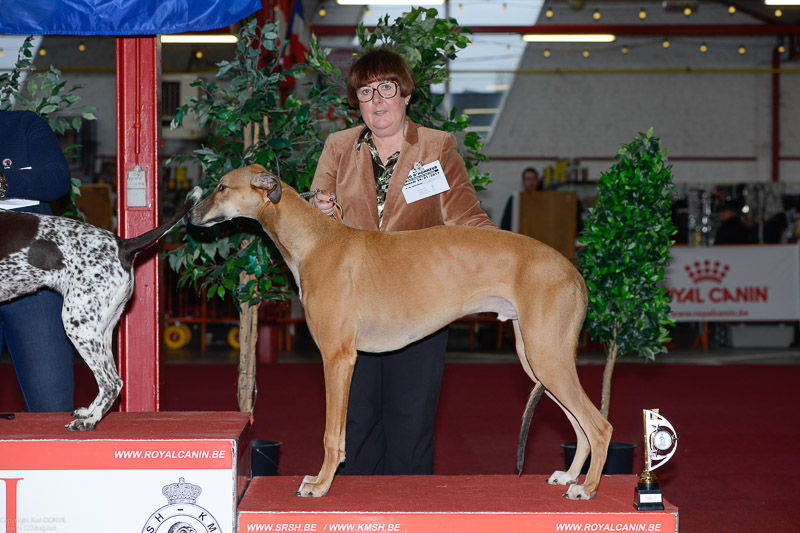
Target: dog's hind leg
[(338, 365), (92, 338), (551, 339)]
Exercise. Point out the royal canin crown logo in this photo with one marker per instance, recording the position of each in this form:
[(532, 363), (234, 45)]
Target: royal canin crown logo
[(707, 271)]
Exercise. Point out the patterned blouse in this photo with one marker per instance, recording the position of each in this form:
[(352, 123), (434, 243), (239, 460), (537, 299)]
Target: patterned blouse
[(383, 172)]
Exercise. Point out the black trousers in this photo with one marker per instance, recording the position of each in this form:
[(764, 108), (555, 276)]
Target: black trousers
[(393, 401)]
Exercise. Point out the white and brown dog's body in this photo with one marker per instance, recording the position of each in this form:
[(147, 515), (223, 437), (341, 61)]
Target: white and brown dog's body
[(379, 291), (93, 270)]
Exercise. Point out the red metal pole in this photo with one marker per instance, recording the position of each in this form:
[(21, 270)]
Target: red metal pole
[(138, 143), (776, 116)]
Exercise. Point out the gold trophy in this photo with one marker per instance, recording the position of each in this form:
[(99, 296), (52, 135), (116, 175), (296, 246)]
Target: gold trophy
[(660, 442)]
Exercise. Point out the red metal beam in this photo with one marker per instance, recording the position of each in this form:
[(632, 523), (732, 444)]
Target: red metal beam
[(776, 116), (710, 30), (138, 143)]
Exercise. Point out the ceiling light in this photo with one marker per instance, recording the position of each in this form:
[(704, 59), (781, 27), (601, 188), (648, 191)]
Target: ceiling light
[(687, 11), (585, 52), (778, 12), (782, 2), (388, 2), (546, 52), (703, 47), (81, 47), (42, 52), (569, 37), (624, 50), (596, 14), (198, 38), (781, 49), (549, 12), (642, 14), (742, 49), (731, 9), (665, 43), (322, 12), (481, 111)]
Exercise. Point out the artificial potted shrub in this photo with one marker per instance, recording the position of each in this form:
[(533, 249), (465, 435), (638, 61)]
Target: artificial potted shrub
[(626, 240), (249, 121)]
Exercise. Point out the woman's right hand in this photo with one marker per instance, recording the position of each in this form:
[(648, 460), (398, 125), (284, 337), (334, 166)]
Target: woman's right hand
[(325, 202)]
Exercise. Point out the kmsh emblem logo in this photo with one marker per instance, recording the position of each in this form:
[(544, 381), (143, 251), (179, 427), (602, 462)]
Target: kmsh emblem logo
[(181, 514)]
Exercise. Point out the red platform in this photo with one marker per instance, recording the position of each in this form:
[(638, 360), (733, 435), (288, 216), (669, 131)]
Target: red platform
[(138, 471), (446, 503)]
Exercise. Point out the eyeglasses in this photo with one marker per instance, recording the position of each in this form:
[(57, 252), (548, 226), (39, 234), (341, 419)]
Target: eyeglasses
[(386, 89)]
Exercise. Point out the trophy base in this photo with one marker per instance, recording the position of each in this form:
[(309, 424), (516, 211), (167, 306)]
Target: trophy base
[(648, 497)]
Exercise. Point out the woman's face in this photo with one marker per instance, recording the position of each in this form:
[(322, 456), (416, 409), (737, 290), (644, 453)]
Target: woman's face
[(384, 116)]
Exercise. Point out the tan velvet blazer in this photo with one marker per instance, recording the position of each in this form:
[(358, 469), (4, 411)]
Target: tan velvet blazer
[(348, 173)]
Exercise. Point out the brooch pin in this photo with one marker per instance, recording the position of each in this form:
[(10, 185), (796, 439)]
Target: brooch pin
[(7, 163)]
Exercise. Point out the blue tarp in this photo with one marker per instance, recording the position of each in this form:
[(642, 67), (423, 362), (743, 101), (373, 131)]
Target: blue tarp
[(120, 17)]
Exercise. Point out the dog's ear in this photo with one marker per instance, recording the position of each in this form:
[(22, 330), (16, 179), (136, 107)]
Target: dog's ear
[(265, 180)]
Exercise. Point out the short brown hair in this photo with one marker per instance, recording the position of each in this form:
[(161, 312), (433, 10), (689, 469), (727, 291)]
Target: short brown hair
[(380, 64)]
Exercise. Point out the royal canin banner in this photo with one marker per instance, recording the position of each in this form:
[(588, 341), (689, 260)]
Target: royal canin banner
[(737, 283)]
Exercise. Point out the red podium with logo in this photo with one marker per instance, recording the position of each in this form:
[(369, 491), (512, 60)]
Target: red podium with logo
[(149, 472)]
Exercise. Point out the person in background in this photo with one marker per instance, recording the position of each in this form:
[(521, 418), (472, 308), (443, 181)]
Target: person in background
[(530, 183), (33, 171), (394, 396), (732, 229)]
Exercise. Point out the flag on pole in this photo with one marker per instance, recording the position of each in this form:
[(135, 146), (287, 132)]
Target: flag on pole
[(297, 36)]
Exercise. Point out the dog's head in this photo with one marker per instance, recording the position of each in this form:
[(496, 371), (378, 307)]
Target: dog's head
[(240, 193)]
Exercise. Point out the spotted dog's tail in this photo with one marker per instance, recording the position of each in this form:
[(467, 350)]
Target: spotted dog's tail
[(128, 248)]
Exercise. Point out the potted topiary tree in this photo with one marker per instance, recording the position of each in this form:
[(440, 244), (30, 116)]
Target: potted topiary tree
[(626, 240)]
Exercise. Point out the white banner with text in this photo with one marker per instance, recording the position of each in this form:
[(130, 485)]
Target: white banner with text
[(738, 283)]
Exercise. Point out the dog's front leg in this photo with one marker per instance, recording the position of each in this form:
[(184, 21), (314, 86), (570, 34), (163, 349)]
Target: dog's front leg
[(338, 376)]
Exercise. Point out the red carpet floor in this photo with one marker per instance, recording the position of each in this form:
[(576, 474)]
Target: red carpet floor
[(737, 426)]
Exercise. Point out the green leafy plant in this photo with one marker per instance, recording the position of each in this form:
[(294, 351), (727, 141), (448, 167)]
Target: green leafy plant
[(627, 236), (428, 43), (47, 95), (247, 122)]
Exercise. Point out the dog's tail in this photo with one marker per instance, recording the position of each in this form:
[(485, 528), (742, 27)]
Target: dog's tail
[(130, 247), (533, 399)]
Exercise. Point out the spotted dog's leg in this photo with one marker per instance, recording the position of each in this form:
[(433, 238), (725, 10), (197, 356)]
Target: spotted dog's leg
[(92, 334)]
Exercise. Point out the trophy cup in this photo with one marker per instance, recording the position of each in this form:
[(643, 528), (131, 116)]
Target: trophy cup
[(660, 442)]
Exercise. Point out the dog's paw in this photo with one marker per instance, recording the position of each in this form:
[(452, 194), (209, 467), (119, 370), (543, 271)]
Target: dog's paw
[(559, 477), (81, 413), (310, 488), (576, 492), (81, 425)]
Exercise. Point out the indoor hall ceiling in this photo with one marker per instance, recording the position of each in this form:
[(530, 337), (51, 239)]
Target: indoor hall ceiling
[(752, 11)]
